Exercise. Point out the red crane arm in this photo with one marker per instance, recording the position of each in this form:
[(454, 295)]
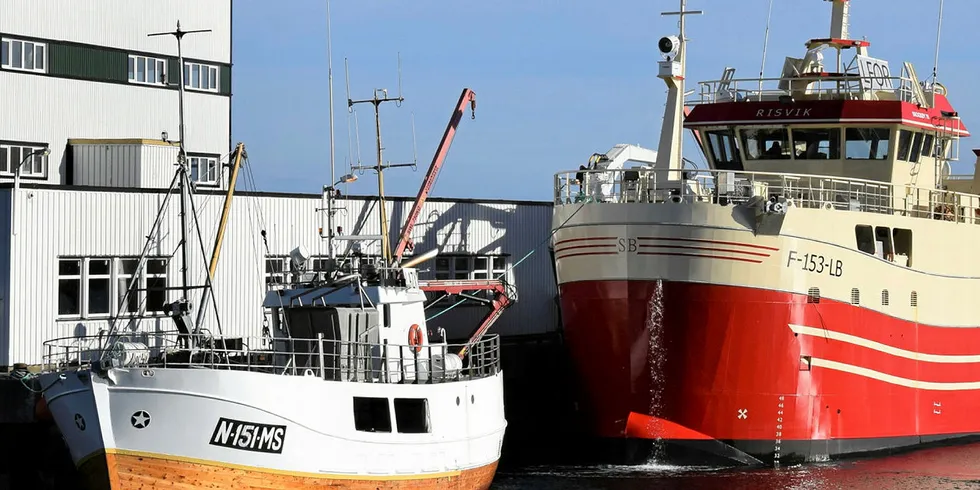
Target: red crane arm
[(405, 240)]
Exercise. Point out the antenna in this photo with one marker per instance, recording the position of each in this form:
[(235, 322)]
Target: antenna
[(380, 97), (182, 156), (765, 48), (939, 32), (333, 171), (398, 102), (415, 148)]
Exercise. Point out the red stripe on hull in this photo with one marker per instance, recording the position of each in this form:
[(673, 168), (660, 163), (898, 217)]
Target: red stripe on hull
[(722, 361)]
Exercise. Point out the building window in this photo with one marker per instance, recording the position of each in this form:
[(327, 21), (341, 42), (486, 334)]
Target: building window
[(147, 70), (69, 287), (95, 287), (23, 55), (198, 76), (470, 267), (32, 163), (204, 170), (275, 271)]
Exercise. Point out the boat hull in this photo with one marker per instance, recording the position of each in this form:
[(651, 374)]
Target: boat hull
[(756, 375), (195, 428)]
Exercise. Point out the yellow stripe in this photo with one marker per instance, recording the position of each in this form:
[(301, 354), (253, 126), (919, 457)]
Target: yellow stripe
[(129, 141), (333, 476)]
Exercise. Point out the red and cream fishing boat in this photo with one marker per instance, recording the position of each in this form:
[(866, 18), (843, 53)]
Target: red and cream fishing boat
[(805, 297)]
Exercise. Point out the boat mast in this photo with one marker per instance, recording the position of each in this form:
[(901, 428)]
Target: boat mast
[(376, 101), (333, 177), (672, 71)]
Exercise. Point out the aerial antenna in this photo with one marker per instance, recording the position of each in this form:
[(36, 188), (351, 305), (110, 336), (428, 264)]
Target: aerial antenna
[(415, 148), (939, 32), (398, 102), (330, 90), (765, 48), (380, 96)]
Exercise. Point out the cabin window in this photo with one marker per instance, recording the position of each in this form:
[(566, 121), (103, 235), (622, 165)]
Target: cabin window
[(412, 415), (928, 145), (372, 414), (766, 143), (883, 243), (916, 148), (865, 239), (866, 143), (904, 144), (723, 150), (817, 144), (903, 246)]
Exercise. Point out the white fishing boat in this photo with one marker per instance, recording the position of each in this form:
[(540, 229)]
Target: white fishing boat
[(344, 389)]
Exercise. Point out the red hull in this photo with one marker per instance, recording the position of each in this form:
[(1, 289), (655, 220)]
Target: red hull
[(722, 363)]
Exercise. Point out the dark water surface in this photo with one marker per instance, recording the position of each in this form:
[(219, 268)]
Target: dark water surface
[(956, 467)]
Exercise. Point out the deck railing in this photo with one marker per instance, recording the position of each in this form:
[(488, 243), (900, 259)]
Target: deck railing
[(332, 360), (730, 187), (809, 87)]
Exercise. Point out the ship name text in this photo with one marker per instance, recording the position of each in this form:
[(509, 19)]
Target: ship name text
[(815, 263), (248, 436), (627, 245), (783, 112)]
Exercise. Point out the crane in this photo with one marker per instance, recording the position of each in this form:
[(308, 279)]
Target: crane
[(405, 240)]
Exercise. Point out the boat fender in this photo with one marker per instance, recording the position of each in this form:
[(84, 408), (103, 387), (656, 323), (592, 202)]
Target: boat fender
[(415, 337)]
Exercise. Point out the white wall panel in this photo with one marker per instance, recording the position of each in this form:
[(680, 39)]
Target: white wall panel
[(52, 110), (60, 222), (125, 23)]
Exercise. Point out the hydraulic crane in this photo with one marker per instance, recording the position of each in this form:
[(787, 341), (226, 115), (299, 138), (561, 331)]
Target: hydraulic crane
[(405, 239)]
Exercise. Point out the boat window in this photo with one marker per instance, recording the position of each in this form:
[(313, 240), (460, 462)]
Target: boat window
[(766, 144), (916, 148), (883, 243), (866, 143), (817, 144), (928, 145), (904, 144), (865, 238), (412, 415), (372, 414), (723, 149), (903, 246)]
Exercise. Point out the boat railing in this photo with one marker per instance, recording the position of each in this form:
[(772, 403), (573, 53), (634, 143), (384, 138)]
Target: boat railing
[(804, 87), (723, 187), (332, 360)]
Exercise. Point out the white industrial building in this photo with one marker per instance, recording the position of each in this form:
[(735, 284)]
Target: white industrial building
[(98, 94)]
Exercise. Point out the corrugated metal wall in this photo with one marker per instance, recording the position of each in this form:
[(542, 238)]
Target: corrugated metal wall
[(60, 222), (145, 166), (53, 110), (125, 24), (6, 272)]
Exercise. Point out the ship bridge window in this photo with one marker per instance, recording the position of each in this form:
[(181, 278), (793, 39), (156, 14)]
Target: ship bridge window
[(928, 145), (865, 239), (816, 144), (883, 243), (916, 149), (866, 143), (723, 149), (904, 144), (903, 246), (766, 143)]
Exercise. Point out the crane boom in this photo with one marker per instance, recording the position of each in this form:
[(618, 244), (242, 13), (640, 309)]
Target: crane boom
[(405, 240)]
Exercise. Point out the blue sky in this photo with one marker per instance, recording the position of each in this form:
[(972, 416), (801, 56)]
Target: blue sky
[(556, 80)]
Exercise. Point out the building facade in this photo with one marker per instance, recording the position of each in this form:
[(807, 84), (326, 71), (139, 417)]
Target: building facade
[(73, 250), (87, 69)]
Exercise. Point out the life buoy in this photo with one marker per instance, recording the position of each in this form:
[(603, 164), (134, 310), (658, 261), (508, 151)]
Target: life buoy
[(415, 337)]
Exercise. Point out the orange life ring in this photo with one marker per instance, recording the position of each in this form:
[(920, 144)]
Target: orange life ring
[(415, 337)]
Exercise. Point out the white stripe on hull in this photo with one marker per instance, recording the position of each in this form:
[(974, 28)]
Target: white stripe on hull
[(887, 349)]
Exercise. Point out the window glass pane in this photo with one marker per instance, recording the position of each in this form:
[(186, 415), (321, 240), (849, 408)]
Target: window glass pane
[(38, 168), (481, 263), (98, 267), (132, 68), (128, 266), (766, 144), (499, 263), (904, 144), (442, 264), (69, 267), (214, 78), (151, 71), (132, 303), (928, 145), (156, 294), (722, 147), (161, 72), (916, 147), (39, 56), (69, 294), (817, 144), (14, 157), (4, 162), (16, 55), (196, 76), (98, 295), (462, 264), (4, 52), (29, 56), (867, 143), (195, 170), (461, 275), (204, 78), (187, 75), (156, 266), (141, 69)]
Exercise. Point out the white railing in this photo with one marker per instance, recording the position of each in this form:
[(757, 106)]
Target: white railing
[(810, 87), (729, 187), (332, 360)]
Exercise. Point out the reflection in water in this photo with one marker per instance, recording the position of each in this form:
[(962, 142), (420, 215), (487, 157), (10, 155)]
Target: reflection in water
[(956, 467), (656, 355)]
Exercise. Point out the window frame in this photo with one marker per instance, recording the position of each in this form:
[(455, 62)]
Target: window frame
[(876, 129), (194, 162), (212, 78), (26, 171), (7, 47), (78, 278), (834, 146), (116, 290), (158, 63), (715, 139), (786, 152)]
